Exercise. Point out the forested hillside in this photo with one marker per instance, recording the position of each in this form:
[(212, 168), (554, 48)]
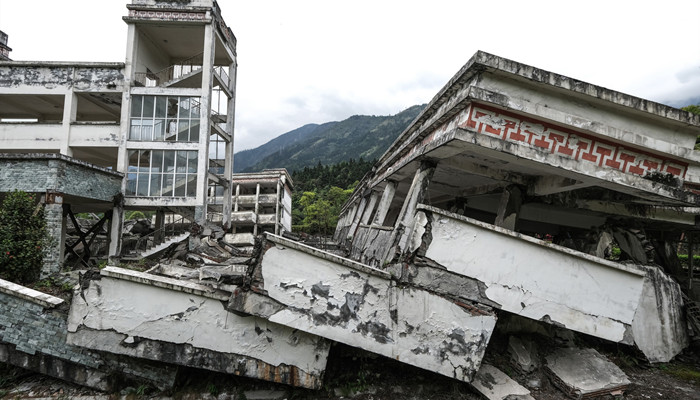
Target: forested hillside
[(360, 136), (321, 191)]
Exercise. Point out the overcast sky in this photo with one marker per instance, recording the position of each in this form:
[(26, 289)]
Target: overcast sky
[(317, 61)]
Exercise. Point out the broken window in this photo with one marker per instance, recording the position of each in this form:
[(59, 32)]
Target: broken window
[(162, 173), (164, 118)]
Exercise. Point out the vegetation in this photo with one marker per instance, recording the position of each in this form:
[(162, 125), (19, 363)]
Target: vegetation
[(23, 236), (320, 193)]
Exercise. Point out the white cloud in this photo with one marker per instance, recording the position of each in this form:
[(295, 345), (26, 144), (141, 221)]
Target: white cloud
[(317, 60)]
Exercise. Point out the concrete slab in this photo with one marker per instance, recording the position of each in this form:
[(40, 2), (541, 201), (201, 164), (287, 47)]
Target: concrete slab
[(156, 318), (493, 384), (584, 373), (536, 279), (360, 306)]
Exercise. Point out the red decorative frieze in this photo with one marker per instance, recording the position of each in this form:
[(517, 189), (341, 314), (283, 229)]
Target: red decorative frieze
[(168, 15), (565, 142)]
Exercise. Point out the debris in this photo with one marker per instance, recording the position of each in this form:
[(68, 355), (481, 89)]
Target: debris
[(523, 353), (584, 373), (496, 385)]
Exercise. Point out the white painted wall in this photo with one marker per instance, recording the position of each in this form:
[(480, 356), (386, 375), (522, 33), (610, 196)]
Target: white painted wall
[(425, 330), (146, 311), (539, 280)]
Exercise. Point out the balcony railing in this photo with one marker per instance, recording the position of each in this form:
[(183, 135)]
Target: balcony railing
[(171, 73)]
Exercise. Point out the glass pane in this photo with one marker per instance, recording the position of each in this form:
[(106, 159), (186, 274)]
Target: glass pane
[(144, 161), (180, 184), (133, 160), (181, 162), (135, 130), (155, 184), (148, 106), (191, 185), (192, 162), (147, 129), (183, 131), (172, 107), (171, 133), (194, 131), (167, 184), (157, 161), (194, 107), (168, 161), (142, 186), (130, 184), (136, 101), (184, 110), (159, 129), (161, 104)]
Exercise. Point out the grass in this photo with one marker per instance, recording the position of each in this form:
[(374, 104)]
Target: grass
[(683, 372)]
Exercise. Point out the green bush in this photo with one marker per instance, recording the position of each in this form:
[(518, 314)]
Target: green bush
[(22, 238)]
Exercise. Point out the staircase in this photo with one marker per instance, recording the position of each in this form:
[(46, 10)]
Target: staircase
[(158, 240)]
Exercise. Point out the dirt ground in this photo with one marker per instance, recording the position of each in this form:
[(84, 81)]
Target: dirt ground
[(354, 374)]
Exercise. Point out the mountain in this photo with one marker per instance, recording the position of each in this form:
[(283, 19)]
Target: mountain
[(246, 158), (360, 136)]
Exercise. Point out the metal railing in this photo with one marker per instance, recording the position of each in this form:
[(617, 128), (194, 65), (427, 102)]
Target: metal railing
[(175, 71), (158, 236)]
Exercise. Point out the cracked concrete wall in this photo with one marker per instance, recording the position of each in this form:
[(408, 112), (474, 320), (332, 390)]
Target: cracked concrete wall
[(659, 326), (353, 304), (33, 336), (170, 325), (539, 280)]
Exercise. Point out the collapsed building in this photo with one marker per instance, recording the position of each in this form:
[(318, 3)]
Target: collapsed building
[(507, 196)]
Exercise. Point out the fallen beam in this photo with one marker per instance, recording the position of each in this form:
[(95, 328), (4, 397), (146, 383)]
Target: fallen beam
[(338, 299)]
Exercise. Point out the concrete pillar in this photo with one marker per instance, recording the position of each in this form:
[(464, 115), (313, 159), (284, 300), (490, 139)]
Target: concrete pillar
[(403, 229), (235, 200), (358, 215), (70, 110), (370, 207), (228, 161), (385, 202), (509, 207), (159, 236), (115, 233), (205, 124), (257, 208), (54, 251), (277, 210)]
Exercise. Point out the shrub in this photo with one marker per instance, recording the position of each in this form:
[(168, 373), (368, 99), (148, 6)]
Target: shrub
[(22, 238)]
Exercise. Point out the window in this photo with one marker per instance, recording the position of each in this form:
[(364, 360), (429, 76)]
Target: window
[(162, 173), (164, 118)]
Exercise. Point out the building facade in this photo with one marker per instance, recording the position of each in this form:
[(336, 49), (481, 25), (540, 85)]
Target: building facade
[(162, 120)]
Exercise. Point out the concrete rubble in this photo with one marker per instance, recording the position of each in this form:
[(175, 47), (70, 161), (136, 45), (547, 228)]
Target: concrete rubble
[(584, 373), (517, 197), (493, 384)]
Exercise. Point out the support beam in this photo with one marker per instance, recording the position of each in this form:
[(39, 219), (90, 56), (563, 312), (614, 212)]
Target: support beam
[(405, 222), (370, 207), (509, 208), (385, 202)]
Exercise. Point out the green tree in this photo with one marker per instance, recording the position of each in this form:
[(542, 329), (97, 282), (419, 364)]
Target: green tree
[(22, 238)]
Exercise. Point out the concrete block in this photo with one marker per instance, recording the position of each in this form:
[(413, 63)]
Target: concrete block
[(582, 373), (493, 384)]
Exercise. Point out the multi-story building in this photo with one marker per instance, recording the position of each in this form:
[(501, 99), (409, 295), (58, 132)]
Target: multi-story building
[(151, 133)]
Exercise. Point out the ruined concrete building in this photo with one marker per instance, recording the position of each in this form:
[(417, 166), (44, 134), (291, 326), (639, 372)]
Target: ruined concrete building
[(507, 199), (152, 133)]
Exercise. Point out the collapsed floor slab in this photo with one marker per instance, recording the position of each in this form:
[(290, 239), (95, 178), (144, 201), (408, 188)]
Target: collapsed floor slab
[(335, 298), (146, 316)]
